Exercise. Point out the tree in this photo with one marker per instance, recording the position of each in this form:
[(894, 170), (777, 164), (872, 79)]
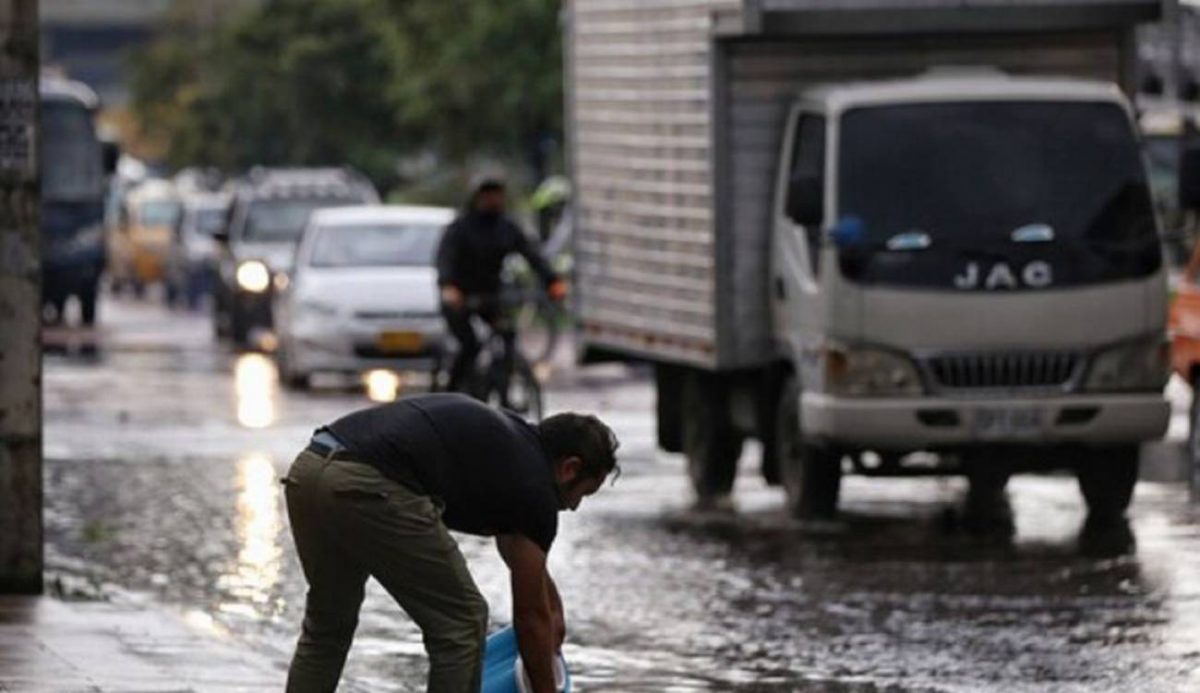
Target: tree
[(363, 82)]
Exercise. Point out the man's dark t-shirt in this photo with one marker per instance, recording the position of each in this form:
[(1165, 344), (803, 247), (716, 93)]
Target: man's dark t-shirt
[(487, 466)]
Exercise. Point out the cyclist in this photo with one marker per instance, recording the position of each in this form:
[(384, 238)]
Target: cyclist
[(469, 261)]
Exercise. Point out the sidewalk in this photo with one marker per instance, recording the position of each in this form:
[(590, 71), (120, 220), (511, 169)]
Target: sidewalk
[(51, 645)]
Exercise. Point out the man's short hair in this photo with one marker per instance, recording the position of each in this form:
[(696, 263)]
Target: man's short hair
[(583, 436)]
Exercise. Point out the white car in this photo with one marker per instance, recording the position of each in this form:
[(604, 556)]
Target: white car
[(362, 294)]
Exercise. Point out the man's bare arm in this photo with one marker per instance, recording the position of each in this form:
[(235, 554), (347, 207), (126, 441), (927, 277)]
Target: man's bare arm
[(532, 614), (556, 610)]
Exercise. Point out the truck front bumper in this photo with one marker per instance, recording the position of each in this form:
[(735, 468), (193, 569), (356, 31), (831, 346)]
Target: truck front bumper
[(905, 425)]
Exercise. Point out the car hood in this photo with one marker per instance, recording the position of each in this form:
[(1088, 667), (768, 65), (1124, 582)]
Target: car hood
[(404, 290)]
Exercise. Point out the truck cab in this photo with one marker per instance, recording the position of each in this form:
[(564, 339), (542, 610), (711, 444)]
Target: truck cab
[(968, 264)]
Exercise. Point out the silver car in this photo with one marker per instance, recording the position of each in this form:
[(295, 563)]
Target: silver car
[(362, 294)]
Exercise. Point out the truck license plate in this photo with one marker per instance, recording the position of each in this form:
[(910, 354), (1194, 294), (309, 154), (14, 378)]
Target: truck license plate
[(1003, 424), (400, 342)]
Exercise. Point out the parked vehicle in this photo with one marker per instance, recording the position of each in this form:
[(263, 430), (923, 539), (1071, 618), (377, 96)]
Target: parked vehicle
[(269, 210), (954, 260), (192, 261), (363, 293), (141, 242), (74, 166)]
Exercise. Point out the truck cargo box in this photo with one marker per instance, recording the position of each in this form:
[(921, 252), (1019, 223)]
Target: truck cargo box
[(676, 111)]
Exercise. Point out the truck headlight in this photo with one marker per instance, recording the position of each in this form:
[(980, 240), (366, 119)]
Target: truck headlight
[(253, 276), (867, 372), (1140, 366)]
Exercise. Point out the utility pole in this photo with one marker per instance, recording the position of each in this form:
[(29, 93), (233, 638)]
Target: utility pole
[(21, 559)]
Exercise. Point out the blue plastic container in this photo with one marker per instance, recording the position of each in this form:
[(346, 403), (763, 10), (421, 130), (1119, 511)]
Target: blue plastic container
[(502, 672)]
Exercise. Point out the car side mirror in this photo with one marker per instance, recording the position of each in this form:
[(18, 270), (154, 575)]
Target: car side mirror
[(220, 235), (806, 200), (1189, 177)]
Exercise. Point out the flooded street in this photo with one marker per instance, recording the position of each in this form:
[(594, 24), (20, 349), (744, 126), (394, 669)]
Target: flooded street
[(163, 458)]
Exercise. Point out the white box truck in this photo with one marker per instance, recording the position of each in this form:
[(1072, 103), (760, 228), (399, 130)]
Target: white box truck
[(862, 229)]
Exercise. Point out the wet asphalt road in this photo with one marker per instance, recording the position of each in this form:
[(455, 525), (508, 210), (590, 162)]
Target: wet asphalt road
[(163, 458)]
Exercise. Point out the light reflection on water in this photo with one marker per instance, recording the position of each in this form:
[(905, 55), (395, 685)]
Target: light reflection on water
[(256, 385), (259, 525)]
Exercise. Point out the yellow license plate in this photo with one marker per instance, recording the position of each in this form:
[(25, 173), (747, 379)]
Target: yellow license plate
[(400, 342)]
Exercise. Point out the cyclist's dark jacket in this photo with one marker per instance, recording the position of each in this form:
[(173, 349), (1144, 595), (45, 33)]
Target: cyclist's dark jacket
[(473, 250), (488, 467)]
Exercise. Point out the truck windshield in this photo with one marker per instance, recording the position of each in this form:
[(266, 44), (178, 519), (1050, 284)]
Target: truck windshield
[(391, 245), (281, 220), (70, 153), (996, 195)]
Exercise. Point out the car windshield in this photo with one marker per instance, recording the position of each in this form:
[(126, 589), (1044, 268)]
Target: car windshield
[(70, 153), (158, 213), (284, 219), (376, 245), (952, 188)]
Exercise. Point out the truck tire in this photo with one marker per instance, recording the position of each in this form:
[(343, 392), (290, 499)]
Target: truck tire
[(87, 304), (811, 474), (1107, 477), (987, 509), (668, 383), (711, 444)]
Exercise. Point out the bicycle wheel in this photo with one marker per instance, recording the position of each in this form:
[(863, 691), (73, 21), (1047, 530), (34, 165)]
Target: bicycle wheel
[(518, 391), (537, 324)]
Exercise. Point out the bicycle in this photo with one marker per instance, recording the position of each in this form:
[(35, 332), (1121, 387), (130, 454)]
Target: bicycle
[(502, 375), (536, 317)]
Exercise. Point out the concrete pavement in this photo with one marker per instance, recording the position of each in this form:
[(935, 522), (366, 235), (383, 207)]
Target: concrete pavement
[(47, 644)]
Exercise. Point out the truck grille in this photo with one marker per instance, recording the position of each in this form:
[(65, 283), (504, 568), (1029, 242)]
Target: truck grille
[(1005, 370)]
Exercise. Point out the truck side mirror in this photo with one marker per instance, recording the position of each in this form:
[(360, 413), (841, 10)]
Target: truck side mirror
[(1189, 177), (110, 153), (806, 200)]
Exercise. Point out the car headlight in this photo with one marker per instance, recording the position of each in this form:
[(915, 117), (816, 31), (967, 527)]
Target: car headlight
[(867, 372), (318, 309), (1144, 365), (253, 276)]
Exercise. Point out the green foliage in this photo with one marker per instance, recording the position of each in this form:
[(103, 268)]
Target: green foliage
[(363, 82)]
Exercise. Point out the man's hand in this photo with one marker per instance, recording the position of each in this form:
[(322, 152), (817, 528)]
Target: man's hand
[(452, 296), (557, 290), (533, 616)]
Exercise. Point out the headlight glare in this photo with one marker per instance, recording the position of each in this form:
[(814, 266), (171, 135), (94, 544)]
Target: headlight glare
[(253, 276), (867, 372), (1139, 366)]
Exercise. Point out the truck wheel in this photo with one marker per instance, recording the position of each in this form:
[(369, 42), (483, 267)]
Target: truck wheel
[(710, 443), (1107, 477), (811, 474), (87, 304), (987, 509), (668, 383)]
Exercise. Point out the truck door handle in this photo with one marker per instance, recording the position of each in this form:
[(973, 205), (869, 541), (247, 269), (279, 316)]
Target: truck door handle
[(780, 289)]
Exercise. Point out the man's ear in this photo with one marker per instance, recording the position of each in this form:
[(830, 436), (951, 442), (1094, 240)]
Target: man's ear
[(569, 469)]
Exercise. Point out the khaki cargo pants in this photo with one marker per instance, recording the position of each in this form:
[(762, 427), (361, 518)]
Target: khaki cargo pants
[(350, 523)]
